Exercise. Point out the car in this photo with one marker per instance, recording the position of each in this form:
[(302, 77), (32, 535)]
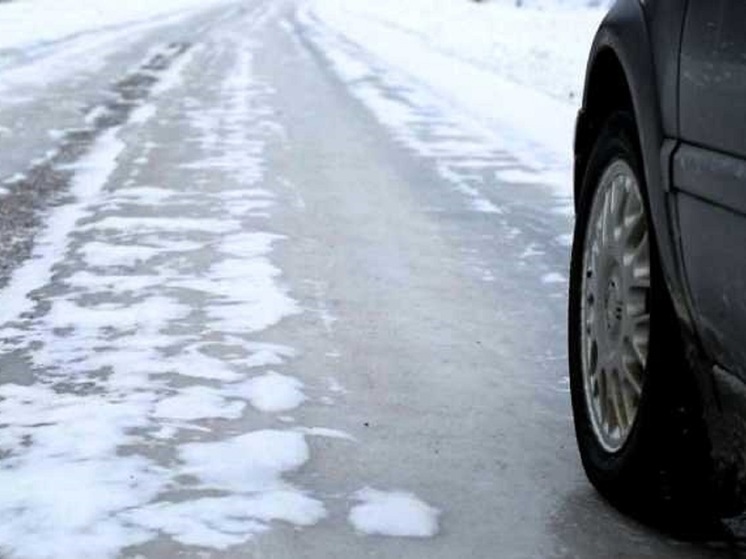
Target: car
[(657, 295)]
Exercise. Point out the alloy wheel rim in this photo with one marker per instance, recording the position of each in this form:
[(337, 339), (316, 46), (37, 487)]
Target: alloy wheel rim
[(615, 315)]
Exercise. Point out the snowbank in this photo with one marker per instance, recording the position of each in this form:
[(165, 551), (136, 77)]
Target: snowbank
[(517, 71), (543, 45)]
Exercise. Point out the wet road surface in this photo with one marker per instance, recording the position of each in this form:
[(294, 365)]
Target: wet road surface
[(258, 309)]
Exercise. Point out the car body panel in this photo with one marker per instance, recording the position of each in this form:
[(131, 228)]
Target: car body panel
[(709, 174), (713, 76)]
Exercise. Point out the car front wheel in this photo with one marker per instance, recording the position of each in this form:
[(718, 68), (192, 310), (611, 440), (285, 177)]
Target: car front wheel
[(637, 417)]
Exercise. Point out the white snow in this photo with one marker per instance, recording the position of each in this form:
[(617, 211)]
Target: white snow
[(273, 392), (143, 113), (248, 296), (16, 178), (57, 494), (38, 22), (393, 513), (543, 45), (92, 173), (264, 354), (252, 462), (163, 224), (326, 432), (222, 522), (249, 244), (171, 79), (46, 42), (518, 176), (531, 251), (119, 367), (121, 283), (143, 194), (145, 331), (195, 364), (335, 386), (90, 320), (198, 402), (488, 66), (553, 277), (106, 254)]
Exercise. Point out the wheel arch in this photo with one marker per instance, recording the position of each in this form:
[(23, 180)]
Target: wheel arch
[(622, 75), (605, 71)]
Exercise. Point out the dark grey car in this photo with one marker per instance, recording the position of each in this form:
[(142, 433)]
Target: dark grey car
[(657, 314)]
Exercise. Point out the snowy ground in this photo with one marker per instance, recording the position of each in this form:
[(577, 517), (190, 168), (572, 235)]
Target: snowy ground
[(543, 46), (140, 332), (290, 282), (515, 73), (42, 41), (29, 24)]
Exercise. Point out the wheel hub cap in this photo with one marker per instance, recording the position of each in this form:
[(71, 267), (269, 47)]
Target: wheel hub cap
[(615, 318)]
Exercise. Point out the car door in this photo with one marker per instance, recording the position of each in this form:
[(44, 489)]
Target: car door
[(709, 174)]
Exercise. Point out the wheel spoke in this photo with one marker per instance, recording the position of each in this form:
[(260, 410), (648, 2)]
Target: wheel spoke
[(637, 264), (635, 227), (629, 401), (633, 366), (618, 207), (608, 220), (616, 400)]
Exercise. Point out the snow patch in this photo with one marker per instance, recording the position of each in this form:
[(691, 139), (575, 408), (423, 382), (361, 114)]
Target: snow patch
[(517, 176), (92, 173), (273, 392), (326, 432), (198, 402), (106, 254), (222, 522), (247, 463), (553, 278), (143, 114), (393, 514)]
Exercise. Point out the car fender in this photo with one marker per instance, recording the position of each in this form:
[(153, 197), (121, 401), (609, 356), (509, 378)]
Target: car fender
[(626, 34)]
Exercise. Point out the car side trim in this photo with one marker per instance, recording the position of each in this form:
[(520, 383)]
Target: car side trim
[(715, 177)]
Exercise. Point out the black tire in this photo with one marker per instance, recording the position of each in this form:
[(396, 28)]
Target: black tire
[(662, 472)]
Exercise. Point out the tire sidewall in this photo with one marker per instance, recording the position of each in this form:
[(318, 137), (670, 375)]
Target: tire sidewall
[(621, 474)]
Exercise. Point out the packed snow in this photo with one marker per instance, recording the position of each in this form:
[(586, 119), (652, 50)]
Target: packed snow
[(273, 392), (393, 513), (495, 35)]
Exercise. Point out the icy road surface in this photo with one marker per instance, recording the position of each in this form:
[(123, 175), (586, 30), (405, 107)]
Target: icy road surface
[(267, 296)]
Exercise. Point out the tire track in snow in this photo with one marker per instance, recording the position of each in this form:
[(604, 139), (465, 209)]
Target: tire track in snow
[(54, 176)]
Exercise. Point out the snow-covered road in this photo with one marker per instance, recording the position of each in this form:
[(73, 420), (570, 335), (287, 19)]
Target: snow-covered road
[(267, 293)]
